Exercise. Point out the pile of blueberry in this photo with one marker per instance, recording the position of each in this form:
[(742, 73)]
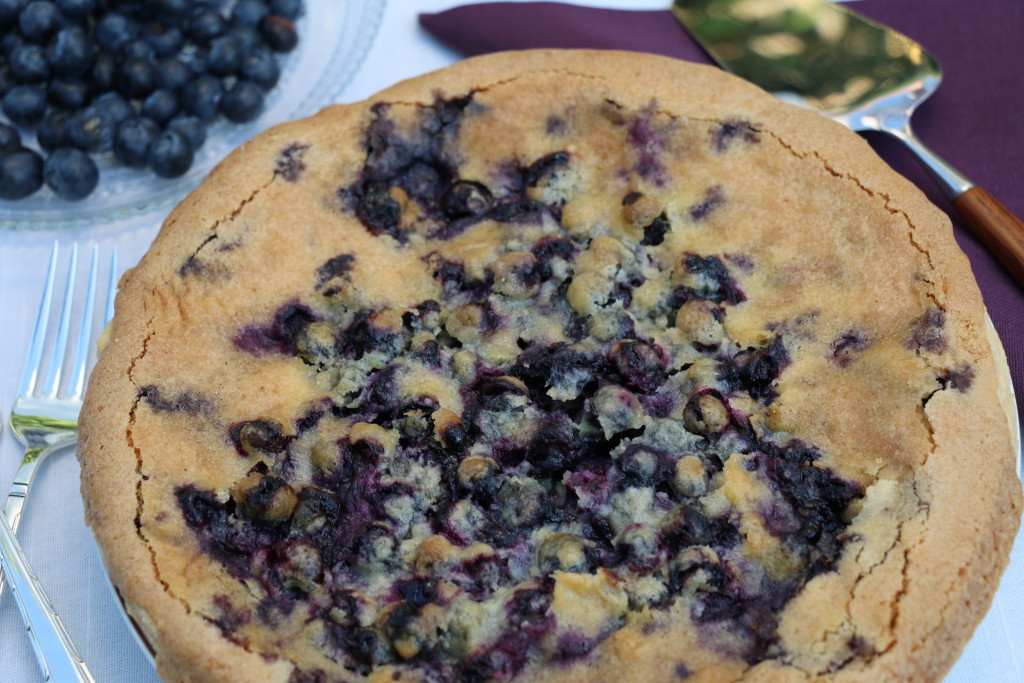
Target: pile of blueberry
[(139, 78)]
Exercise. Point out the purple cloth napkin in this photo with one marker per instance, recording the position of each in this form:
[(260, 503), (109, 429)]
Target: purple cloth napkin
[(972, 121)]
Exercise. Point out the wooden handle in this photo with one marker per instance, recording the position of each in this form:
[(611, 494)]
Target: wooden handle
[(995, 226)]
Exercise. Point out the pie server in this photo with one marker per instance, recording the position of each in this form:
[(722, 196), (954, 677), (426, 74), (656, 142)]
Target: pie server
[(822, 56)]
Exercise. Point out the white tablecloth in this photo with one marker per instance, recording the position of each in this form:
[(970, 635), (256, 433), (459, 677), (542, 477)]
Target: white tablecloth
[(60, 546)]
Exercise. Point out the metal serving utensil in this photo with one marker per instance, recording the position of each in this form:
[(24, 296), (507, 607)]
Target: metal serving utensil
[(822, 56)]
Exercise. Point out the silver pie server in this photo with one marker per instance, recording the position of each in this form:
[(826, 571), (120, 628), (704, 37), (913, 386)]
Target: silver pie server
[(822, 56)]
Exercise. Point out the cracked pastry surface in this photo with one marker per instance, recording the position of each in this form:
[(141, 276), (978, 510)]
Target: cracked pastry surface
[(552, 366)]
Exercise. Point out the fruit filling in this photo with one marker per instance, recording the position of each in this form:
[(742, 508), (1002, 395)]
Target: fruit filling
[(563, 436)]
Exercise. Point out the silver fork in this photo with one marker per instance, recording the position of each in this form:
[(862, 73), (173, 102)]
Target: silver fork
[(44, 423), (43, 419)]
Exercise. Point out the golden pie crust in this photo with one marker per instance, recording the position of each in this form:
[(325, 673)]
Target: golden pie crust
[(759, 303)]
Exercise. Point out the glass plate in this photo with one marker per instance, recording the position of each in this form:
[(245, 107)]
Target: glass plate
[(334, 37)]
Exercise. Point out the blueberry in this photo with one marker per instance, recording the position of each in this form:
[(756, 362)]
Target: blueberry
[(25, 105), (76, 10), (92, 129), (224, 57), (291, 9), (21, 173), (316, 511), (243, 102), (70, 93), (137, 78), (197, 61), (265, 498), (249, 12), (71, 173), (114, 30), (205, 24), (39, 20), (28, 63), (279, 33), (192, 127), (377, 209), (9, 11), (132, 141), (464, 199), (51, 131), (642, 366), (524, 503), (10, 138), (172, 74), (248, 37), (137, 49), (160, 105), (166, 41), (202, 97), (6, 78), (115, 106), (9, 41), (261, 68), (172, 11), (70, 52), (104, 72), (170, 154)]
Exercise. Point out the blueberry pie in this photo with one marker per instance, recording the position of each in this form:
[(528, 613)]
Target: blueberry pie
[(552, 366)]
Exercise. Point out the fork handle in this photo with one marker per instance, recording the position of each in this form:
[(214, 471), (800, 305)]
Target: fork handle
[(54, 650), (995, 226)]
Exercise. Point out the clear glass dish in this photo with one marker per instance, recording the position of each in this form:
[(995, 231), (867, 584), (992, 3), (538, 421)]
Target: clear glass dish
[(334, 37)]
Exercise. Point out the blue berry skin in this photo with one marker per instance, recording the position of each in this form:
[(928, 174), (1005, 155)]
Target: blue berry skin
[(39, 20), (202, 97), (279, 33), (261, 68), (51, 132), (76, 10), (248, 37), (166, 41), (28, 63), (25, 105), (160, 106), (70, 93), (103, 74), (21, 173), (137, 78), (137, 49), (205, 24), (116, 107), (133, 139), (6, 78), (290, 9), (172, 74), (243, 102), (191, 127), (71, 173), (113, 30), (10, 138), (11, 40), (225, 56), (9, 11), (70, 52), (249, 13), (170, 154), (92, 130), (172, 11)]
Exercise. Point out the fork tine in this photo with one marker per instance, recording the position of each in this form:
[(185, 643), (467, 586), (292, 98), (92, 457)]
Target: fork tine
[(111, 287), (35, 349), (60, 344), (77, 379)]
